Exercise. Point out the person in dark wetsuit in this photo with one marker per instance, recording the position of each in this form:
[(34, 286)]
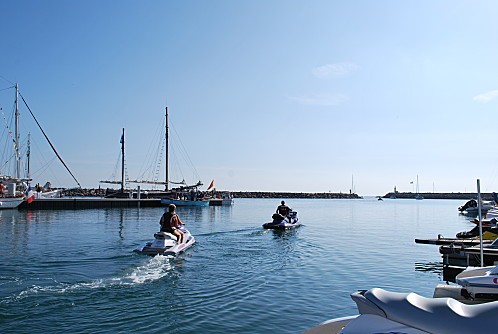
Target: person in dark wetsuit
[(284, 210), (170, 222)]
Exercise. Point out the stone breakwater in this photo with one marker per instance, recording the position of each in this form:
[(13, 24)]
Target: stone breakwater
[(462, 196), (259, 194), (102, 192), (236, 194)]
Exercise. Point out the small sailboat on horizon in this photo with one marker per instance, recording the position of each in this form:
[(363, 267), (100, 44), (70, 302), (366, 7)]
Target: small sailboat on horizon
[(417, 195)]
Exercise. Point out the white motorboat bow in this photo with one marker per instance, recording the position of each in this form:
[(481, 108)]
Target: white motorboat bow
[(165, 243), (471, 206), (475, 285), (382, 311), (10, 202), (479, 286), (281, 223)]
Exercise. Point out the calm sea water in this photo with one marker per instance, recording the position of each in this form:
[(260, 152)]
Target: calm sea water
[(75, 271)]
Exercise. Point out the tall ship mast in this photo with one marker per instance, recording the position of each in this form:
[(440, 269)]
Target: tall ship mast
[(167, 153)]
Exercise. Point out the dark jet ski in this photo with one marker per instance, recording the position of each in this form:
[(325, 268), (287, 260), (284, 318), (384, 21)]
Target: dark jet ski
[(281, 223)]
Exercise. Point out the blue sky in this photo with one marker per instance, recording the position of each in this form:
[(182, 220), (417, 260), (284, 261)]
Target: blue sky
[(265, 95)]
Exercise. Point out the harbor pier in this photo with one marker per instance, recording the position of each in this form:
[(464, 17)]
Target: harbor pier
[(88, 203)]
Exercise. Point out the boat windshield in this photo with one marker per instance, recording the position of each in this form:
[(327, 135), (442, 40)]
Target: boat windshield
[(494, 271)]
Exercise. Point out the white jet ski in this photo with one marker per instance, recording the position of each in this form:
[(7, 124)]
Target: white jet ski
[(382, 311), (281, 223), (166, 244)]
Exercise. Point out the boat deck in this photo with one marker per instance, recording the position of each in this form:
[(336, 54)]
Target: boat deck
[(449, 241)]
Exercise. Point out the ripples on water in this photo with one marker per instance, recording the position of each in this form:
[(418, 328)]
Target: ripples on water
[(75, 270)]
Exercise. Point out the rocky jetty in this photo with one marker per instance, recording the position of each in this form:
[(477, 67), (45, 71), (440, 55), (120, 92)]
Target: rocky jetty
[(100, 192), (462, 196), (260, 194)]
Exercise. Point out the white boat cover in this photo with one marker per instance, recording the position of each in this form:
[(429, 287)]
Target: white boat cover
[(494, 271), (369, 323), (439, 315)]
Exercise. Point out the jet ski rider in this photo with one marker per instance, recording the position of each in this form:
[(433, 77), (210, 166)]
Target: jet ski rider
[(170, 222), (284, 210)]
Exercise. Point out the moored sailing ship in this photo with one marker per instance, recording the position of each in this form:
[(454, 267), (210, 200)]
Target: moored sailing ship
[(181, 195)]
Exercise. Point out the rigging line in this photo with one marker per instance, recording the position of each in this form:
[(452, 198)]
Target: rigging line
[(46, 137), (1, 90), (5, 155), (9, 140), (47, 170), (1, 76), (44, 165), (176, 168), (117, 164), (116, 167), (115, 171), (151, 164), (43, 168), (156, 163), (152, 160), (7, 127), (187, 157), (9, 160), (151, 157), (147, 168), (4, 133), (185, 154)]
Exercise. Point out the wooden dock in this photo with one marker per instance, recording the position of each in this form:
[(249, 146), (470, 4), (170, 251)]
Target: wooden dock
[(77, 203), (449, 241)]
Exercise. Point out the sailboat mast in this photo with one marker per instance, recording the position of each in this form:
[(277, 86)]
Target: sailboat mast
[(167, 151), (16, 134), (28, 154), (122, 161)]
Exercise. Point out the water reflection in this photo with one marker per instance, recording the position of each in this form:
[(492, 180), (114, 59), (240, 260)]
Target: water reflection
[(284, 246), (14, 232), (192, 213), (121, 218), (445, 273), (430, 267), (285, 234), (209, 216), (9, 216)]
